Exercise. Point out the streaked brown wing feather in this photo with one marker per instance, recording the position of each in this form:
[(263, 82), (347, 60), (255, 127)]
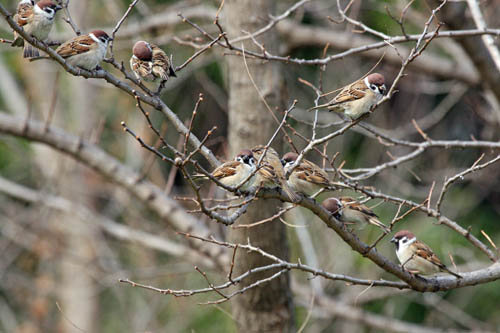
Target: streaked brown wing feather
[(75, 46), (226, 170), (353, 204), (141, 67), (309, 172), (161, 63), (268, 172), (355, 91), (426, 253)]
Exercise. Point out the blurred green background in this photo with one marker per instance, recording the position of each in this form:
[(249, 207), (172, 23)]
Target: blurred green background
[(58, 273)]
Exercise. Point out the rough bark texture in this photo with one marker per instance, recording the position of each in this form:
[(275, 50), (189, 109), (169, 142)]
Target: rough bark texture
[(267, 308)]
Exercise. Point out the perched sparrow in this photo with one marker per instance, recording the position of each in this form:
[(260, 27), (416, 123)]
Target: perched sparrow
[(271, 173), (348, 210), (150, 63), (416, 256), (85, 51), (307, 177), (36, 20), (232, 173), (359, 97)]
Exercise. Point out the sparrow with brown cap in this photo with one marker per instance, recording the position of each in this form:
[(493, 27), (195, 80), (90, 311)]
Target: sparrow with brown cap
[(270, 172), (235, 172), (358, 98), (350, 211), (307, 177), (36, 20), (416, 256), (150, 63)]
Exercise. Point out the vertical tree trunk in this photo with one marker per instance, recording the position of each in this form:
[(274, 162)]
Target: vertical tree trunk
[(268, 307)]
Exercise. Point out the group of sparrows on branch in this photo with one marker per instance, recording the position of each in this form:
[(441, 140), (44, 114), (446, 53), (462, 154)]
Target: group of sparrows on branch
[(148, 61), (260, 167)]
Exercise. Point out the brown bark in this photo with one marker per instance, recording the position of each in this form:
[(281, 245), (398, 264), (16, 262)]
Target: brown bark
[(268, 307)]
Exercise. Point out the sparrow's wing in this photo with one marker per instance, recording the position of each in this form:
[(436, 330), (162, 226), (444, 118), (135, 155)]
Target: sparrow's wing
[(143, 68), (425, 252), (161, 63), (77, 45), (24, 14), (259, 150), (311, 173), (226, 170), (353, 204), (353, 92), (268, 172)]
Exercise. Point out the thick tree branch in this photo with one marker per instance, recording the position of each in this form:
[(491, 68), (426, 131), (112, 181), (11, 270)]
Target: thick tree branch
[(94, 157), (117, 230), (147, 98)]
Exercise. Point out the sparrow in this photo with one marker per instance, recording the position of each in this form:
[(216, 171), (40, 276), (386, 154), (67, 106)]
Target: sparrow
[(270, 172), (36, 20), (359, 97), (417, 257), (307, 177), (232, 173), (85, 51), (350, 211), (150, 63)]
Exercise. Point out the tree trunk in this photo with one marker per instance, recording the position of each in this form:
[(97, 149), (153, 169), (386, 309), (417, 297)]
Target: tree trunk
[(269, 307)]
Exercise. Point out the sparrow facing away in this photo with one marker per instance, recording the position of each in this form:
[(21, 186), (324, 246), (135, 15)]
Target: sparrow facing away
[(85, 51), (36, 20), (232, 173), (359, 97), (150, 63), (350, 211), (417, 257), (307, 177), (271, 173)]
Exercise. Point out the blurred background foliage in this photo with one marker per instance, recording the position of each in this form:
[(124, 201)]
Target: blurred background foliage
[(42, 268)]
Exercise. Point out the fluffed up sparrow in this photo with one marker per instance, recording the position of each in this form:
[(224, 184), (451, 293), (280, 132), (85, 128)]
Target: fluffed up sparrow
[(350, 211), (359, 97), (36, 20), (271, 173), (233, 173), (150, 63), (417, 257), (307, 177)]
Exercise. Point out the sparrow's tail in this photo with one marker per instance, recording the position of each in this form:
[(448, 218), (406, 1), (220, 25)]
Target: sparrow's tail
[(30, 51), (291, 194), (338, 185), (171, 72), (319, 107), (444, 268), (39, 58), (199, 176), (373, 220)]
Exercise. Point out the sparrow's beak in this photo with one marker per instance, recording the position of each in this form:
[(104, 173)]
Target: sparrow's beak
[(384, 89), (393, 240), (283, 162), (57, 8)]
